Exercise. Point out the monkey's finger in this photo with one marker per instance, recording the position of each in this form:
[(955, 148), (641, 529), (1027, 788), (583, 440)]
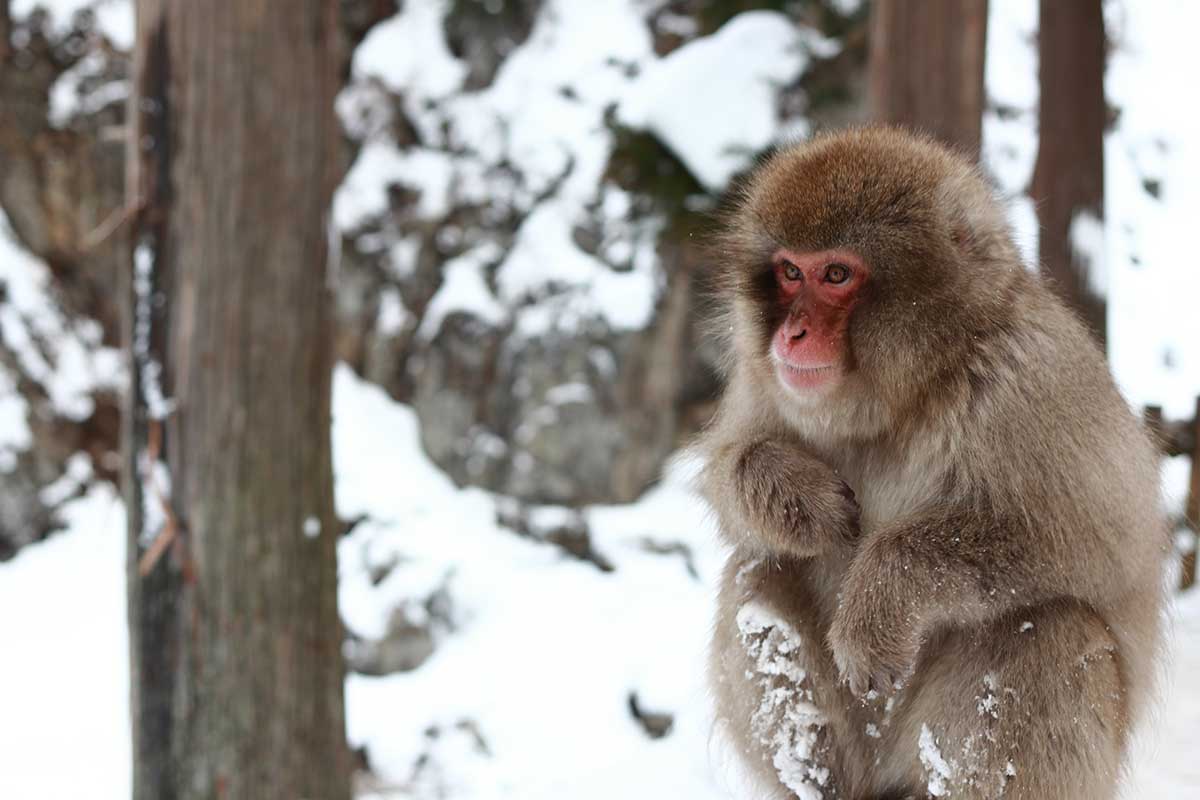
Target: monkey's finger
[(857, 680), (884, 682)]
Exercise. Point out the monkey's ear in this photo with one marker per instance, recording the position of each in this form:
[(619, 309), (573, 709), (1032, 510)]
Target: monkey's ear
[(964, 238), (978, 236)]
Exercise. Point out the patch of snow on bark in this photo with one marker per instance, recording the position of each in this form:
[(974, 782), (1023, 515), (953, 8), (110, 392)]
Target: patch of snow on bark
[(1086, 235)]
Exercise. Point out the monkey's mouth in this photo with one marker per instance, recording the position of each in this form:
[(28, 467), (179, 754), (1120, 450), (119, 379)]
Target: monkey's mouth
[(805, 378)]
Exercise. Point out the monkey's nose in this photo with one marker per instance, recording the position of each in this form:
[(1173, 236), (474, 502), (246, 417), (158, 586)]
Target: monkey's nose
[(798, 336)]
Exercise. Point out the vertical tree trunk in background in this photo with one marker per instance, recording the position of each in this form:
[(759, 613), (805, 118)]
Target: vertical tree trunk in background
[(1191, 508), (1068, 180), (925, 69), (5, 28), (235, 638)]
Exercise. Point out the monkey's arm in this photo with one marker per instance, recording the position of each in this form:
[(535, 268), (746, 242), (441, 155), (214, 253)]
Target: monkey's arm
[(945, 567), (772, 495)]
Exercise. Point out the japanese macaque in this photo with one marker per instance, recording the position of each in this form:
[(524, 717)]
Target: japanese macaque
[(945, 531)]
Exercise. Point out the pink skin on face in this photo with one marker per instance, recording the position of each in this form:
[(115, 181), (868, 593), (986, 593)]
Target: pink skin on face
[(819, 291)]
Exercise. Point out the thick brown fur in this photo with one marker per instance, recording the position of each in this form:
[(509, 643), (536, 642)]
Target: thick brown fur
[(969, 522)]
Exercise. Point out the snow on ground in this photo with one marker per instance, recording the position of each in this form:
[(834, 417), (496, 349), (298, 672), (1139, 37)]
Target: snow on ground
[(532, 690), (64, 678), (1164, 763)]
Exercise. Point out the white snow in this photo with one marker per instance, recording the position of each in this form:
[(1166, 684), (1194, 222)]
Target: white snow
[(424, 69), (1153, 280), (464, 289), (1010, 119), (545, 255), (1164, 762), (546, 646), (1087, 238), (64, 681), (312, 527), (66, 99), (567, 393), (158, 406), (938, 771), (15, 435), (73, 481), (64, 357), (712, 101), (363, 192), (114, 18), (787, 722), (392, 317)]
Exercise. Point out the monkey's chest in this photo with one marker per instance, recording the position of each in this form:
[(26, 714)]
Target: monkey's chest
[(888, 492)]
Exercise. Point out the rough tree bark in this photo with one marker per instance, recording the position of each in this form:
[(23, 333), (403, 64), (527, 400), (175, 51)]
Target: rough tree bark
[(925, 69), (5, 28), (1068, 179), (236, 643)]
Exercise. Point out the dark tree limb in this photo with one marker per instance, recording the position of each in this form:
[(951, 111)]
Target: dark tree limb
[(1068, 179)]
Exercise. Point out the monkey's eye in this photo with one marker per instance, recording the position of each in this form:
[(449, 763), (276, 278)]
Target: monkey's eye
[(837, 273), (791, 272)]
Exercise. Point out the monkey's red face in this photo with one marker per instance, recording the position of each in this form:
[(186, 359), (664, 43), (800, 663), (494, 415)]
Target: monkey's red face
[(816, 293)]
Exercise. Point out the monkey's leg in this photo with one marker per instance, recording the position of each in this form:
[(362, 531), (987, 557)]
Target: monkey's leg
[(1030, 707), (777, 701)]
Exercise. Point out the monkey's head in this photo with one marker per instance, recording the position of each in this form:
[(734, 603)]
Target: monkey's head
[(858, 267)]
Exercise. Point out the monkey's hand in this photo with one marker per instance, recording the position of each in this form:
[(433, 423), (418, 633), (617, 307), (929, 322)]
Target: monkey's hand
[(875, 633), (789, 501)]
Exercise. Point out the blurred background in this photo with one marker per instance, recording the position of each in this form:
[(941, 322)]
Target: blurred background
[(408, 292)]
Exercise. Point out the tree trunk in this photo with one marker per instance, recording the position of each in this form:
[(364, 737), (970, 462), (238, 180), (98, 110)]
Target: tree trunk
[(925, 69), (237, 675), (1068, 179), (1191, 509), (5, 29)]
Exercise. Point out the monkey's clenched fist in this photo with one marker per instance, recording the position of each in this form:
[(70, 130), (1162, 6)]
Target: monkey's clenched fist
[(783, 500), (1001, 589)]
